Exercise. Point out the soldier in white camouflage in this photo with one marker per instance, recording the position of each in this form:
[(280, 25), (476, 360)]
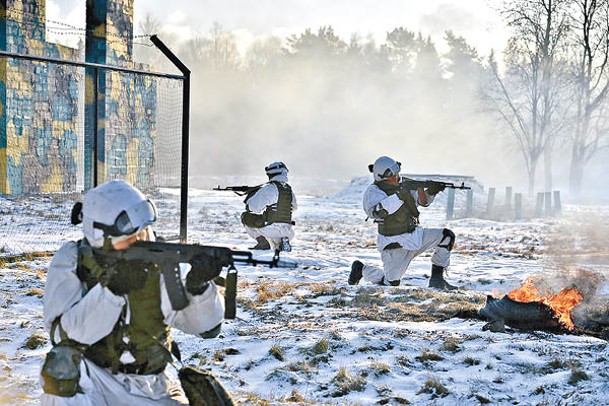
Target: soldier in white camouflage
[(268, 211), (110, 323), (400, 237)]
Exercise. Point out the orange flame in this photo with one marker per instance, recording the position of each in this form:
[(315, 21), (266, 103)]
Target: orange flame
[(561, 303)]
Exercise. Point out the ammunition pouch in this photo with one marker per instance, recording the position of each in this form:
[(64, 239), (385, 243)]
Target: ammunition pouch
[(61, 371), (397, 224), (202, 388), (253, 219)]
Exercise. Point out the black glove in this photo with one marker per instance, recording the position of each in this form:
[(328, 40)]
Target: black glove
[(204, 269), (125, 277), (435, 188)]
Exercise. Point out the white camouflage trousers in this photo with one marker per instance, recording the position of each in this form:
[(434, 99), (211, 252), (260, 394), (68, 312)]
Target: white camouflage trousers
[(102, 388), (273, 232), (396, 261)]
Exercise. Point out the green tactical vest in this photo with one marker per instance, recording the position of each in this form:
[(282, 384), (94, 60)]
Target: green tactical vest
[(281, 212), (403, 220), (149, 340)]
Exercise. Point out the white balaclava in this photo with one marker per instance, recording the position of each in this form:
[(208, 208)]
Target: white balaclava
[(277, 171), (106, 202)]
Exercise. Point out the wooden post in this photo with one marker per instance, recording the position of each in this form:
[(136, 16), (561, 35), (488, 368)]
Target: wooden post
[(548, 201), (557, 204), (508, 197), (518, 206), (469, 205), (539, 205), (450, 204), (491, 201)]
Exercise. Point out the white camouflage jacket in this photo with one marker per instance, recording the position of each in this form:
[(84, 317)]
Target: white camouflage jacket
[(87, 316), (268, 195), (375, 199)]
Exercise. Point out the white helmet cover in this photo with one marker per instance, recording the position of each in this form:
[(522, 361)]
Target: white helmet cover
[(384, 168), (276, 169), (117, 209)]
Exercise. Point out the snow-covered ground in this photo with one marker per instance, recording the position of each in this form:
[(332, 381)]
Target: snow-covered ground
[(303, 336)]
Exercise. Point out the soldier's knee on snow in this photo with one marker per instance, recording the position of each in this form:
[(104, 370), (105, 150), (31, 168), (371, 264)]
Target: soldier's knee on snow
[(394, 283), (448, 241)]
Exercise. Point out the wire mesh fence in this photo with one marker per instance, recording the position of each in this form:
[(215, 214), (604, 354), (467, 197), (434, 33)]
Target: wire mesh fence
[(61, 134)]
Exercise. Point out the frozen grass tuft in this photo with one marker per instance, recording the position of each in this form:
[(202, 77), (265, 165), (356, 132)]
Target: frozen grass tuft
[(321, 347), (434, 387), (346, 383), (277, 352), (36, 340)]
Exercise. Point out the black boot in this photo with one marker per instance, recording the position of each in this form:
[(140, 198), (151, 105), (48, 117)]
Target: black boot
[(263, 244), (356, 273), (437, 279)]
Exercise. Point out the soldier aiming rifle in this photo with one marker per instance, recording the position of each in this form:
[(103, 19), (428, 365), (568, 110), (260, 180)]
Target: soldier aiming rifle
[(393, 201), (268, 209), (111, 300)]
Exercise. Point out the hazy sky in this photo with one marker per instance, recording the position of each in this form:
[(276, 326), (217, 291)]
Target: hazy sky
[(475, 20)]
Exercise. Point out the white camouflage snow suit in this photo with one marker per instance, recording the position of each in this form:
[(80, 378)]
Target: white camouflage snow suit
[(399, 248), (267, 200), (88, 315)]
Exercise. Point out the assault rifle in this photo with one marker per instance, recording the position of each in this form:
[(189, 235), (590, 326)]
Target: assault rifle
[(240, 190), (411, 184), (169, 256)]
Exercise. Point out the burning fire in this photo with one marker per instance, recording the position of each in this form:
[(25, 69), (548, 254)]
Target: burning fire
[(562, 303)]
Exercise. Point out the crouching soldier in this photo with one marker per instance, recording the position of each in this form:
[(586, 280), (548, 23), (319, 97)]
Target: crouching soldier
[(400, 237), (268, 211), (110, 321)]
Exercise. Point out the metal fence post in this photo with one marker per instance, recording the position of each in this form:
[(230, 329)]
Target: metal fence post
[(557, 204), (548, 204), (508, 197), (450, 204), (491, 201), (469, 205), (539, 205), (518, 206)]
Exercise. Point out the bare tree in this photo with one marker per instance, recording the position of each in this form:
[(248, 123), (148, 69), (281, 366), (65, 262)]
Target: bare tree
[(144, 50), (221, 50), (591, 80), (527, 96)]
